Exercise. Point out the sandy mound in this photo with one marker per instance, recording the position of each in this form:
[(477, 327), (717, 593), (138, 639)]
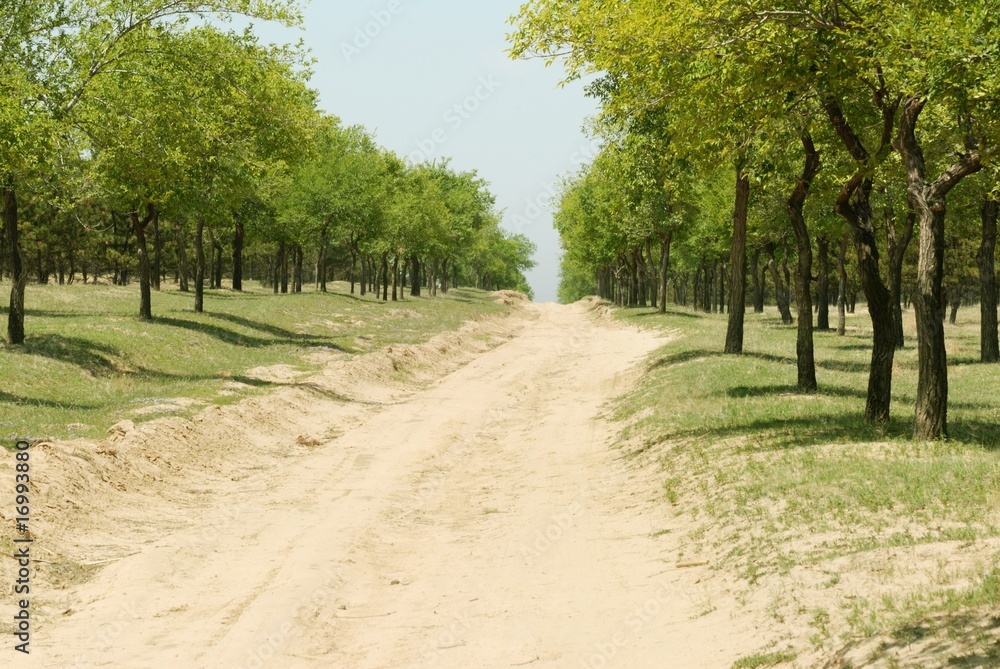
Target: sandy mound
[(509, 297)]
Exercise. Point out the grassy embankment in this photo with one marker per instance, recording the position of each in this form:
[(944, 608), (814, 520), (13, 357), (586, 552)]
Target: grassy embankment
[(88, 362), (849, 529)]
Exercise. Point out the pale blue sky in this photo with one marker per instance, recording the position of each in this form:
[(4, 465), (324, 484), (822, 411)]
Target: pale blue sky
[(418, 60)]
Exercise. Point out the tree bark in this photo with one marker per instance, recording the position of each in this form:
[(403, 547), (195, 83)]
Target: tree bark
[(823, 285), (854, 205), (990, 341), (738, 267), (18, 272), (395, 278), (929, 202), (415, 277), (805, 348), (842, 289), (899, 241), (758, 283), (385, 277), (199, 266), (157, 251), (182, 259), (145, 270), (780, 290), (665, 243), (324, 251), (239, 239)]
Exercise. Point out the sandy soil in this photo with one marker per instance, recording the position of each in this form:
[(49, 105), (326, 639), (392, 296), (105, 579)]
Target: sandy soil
[(476, 519)]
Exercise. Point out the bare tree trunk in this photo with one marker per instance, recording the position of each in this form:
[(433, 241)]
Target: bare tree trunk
[(854, 205), (182, 259), (842, 294), (990, 341), (157, 251), (780, 290), (899, 241), (928, 201), (665, 243), (395, 278), (823, 285), (415, 277), (738, 266), (239, 239), (758, 283), (142, 252), (199, 269), (18, 272), (385, 277), (803, 275)]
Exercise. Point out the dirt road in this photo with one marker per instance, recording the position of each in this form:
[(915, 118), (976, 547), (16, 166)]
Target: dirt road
[(481, 522)]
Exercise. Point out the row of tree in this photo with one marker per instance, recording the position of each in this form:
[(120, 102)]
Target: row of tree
[(141, 138), (841, 124)]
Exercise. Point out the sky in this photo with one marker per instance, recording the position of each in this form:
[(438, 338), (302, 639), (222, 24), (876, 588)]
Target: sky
[(431, 79)]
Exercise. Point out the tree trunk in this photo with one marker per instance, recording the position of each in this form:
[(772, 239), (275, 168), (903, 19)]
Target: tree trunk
[(929, 202), (842, 293), (324, 251), (182, 260), (898, 241), (803, 275), (665, 242), (18, 272), (157, 251), (299, 261), (955, 294), (990, 341), (758, 283), (445, 279), (199, 266), (738, 266), (415, 277), (780, 290), (239, 239), (385, 277), (283, 267), (854, 205), (823, 285), (395, 278), (145, 272)]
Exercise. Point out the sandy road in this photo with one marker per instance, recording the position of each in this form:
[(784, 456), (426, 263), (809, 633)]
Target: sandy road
[(484, 522)]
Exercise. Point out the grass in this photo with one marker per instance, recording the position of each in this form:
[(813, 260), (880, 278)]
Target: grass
[(765, 660), (88, 362), (776, 480)]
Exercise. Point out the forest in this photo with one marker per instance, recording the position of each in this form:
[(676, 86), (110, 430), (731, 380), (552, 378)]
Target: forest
[(151, 142), (814, 155)]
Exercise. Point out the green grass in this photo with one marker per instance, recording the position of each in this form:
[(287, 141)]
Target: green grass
[(765, 660), (784, 479), (88, 362)]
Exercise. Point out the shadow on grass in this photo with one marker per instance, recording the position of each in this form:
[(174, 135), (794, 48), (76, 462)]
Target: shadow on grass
[(98, 359), (679, 314), (233, 338), (280, 334), (687, 356), (766, 391), (17, 400)]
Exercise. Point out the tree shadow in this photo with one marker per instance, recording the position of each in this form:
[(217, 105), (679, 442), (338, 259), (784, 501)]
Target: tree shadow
[(234, 338), (97, 359), (278, 333), (777, 390), (18, 400)]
